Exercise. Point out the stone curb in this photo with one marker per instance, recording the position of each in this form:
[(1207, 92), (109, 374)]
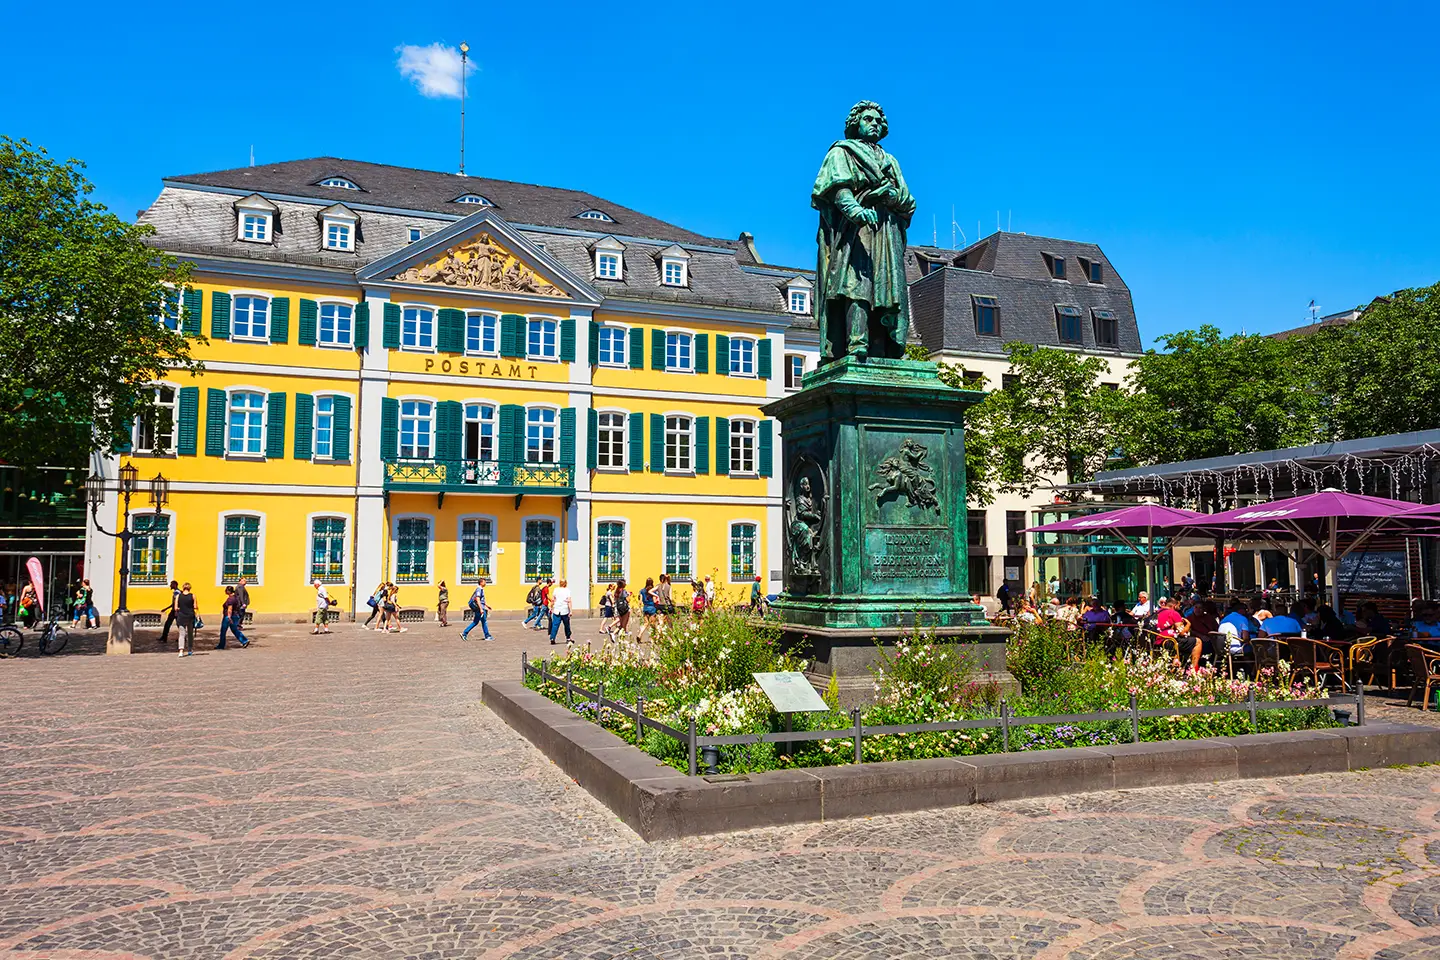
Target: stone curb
[(660, 803)]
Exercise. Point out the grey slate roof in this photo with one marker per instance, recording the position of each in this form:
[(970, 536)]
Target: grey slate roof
[(1012, 268), (431, 190)]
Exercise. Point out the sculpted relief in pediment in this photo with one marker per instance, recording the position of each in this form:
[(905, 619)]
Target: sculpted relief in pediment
[(482, 264)]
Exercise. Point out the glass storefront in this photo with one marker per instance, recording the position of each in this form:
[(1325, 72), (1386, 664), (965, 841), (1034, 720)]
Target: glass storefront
[(1090, 565)]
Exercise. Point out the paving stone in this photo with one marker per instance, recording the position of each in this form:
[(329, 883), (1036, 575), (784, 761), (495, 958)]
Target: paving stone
[(1306, 894), (1079, 887), (900, 938), (1213, 941)]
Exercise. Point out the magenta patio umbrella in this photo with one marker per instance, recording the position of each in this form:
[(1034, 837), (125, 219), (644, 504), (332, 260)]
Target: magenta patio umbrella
[(1331, 523), (1127, 525)]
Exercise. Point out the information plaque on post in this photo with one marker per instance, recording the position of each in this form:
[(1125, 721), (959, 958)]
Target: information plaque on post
[(791, 692)]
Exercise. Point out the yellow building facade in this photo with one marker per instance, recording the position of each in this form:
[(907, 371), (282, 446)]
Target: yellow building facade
[(417, 377)]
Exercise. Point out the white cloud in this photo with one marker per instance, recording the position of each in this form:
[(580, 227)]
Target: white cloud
[(435, 69)]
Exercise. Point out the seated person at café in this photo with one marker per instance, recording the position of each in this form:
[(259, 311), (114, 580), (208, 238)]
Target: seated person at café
[(1170, 624), (1095, 620), (1238, 627), (1279, 624), (1372, 621), (1327, 626), (1426, 629)]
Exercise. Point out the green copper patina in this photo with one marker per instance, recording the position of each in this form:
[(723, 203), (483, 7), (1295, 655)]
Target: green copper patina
[(862, 303)]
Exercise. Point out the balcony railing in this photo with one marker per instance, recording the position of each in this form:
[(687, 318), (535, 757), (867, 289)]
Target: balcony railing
[(479, 476)]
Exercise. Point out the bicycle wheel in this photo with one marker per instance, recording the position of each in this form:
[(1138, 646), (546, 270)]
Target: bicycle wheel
[(12, 638), (53, 640)]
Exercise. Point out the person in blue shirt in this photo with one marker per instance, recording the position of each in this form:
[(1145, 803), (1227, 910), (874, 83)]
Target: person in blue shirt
[(479, 613), (1283, 625), (1426, 628), (1238, 627)]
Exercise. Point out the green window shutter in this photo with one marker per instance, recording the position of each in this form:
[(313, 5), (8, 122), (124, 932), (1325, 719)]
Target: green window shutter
[(340, 431), (309, 312), (657, 443), (594, 342), (567, 341), (512, 335), (190, 319), (767, 447), (637, 348), (567, 436), (122, 444), (362, 324), (702, 353), (449, 427), (275, 426), (512, 429), (219, 316), (391, 335), (702, 444), (637, 442), (592, 438), (762, 359), (389, 427), (304, 420), (280, 320), (188, 429), (657, 349), (214, 422), (722, 446), (450, 335), (722, 355)]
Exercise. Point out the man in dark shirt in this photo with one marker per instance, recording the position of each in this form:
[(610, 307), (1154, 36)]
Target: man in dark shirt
[(1373, 621)]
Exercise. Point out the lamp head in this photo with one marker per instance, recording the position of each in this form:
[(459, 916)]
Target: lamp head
[(128, 474)]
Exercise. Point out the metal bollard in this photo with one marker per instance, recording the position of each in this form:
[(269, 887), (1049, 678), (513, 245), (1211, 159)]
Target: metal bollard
[(1134, 719), (570, 687), (599, 701), (639, 720), (1004, 726), (692, 745), (859, 751), (524, 666), (1254, 714), (1359, 704)]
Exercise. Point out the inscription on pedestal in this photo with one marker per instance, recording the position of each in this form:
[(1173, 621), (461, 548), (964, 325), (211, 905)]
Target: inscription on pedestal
[(895, 553)]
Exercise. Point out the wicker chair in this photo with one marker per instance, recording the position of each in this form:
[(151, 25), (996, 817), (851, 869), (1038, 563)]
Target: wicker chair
[(1370, 658), (1319, 659), (1424, 671), (1267, 651)]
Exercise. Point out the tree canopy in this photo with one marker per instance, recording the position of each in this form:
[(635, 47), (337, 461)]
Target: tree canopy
[(81, 295)]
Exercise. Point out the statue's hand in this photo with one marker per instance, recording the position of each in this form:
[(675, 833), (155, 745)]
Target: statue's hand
[(865, 215)]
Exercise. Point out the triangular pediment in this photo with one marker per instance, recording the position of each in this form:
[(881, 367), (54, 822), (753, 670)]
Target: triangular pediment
[(481, 253)]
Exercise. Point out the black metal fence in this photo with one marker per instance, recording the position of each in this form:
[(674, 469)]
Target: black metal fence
[(705, 748)]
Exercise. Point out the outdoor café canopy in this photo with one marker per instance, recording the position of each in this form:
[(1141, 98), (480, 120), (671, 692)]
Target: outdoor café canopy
[(1128, 525)]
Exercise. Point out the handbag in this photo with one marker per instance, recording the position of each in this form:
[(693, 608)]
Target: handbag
[(199, 623)]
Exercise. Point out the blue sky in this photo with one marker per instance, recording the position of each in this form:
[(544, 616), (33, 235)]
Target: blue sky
[(1235, 161)]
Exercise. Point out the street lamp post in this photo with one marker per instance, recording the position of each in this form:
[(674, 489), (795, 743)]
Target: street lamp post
[(121, 624)]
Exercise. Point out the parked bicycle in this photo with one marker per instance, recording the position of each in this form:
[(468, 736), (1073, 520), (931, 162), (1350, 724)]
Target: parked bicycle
[(53, 638), (12, 638)]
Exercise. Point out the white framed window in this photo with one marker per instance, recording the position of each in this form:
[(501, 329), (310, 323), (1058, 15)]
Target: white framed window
[(799, 301), (607, 265), (744, 543), (327, 549), (595, 215), (673, 272), (610, 440), (611, 539), (482, 334), (541, 428), (168, 314), (412, 549), (614, 346), (542, 339), (414, 234), (742, 446), (323, 440), (154, 430), (150, 547), (539, 550), (241, 547), (417, 328), (478, 443), (254, 226), (477, 549), (742, 357), (473, 198), (794, 370), (249, 317), (679, 352), (245, 432), (680, 549), (679, 443), (338, 182), (339, 235), (336, 324), (417, 426)]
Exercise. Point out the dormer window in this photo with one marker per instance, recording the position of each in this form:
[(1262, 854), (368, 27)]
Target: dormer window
[(339, 183), (674, 266), (797, 296), (414, 234), (1056, 265), (474, 198), (255, 219), (339, 228), (609, 259), (255, 227), (595, 215), (1067, 324), (1097, 272)]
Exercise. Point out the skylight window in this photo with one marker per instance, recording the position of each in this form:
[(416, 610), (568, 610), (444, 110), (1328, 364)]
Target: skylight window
[(339, 182), (595, 215), (474, 198)]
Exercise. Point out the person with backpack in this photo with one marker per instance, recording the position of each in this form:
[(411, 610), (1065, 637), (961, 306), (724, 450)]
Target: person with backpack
[(185, 619), (622, 609), (607, 612), (699, 602), (649, 609), (230, 620), (376, 598), (479, 612), (534, 599)]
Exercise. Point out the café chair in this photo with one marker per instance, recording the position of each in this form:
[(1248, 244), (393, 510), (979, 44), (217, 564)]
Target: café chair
[(1319, 659), (1370, 657), (1269, 651), (1424, 673)]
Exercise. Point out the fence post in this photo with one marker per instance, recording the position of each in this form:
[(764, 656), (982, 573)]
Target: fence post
[(692, 745), (570, 686), (859, 751), (1359, 703), (1134, 719), (1004, 726), (524, 666), (599, 702), (639, 720), (1254, 714)]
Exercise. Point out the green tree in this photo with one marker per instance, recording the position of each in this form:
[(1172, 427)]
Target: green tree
[(80, 293), (979, 469), (1208, 395)]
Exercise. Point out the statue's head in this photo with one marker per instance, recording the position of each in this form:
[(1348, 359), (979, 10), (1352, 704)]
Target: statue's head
[(866, 122), (804, 484)]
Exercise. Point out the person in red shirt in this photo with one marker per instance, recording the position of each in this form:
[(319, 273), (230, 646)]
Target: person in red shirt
[(1169, 623)]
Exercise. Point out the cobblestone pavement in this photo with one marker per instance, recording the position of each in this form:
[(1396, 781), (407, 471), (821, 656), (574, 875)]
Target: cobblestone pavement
[(348, 796)]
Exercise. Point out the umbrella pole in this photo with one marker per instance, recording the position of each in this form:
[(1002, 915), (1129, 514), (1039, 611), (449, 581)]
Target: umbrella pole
[(1332, 568)]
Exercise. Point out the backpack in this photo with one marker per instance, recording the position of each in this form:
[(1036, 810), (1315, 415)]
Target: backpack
[(622, 602), (698, 604), (533, 597)]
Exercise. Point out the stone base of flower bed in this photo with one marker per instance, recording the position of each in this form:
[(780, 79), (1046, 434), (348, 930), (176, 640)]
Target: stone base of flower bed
[(660, 803), (851, 655)]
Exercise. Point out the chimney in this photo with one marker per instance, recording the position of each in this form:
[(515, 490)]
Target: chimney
[(747, 243)]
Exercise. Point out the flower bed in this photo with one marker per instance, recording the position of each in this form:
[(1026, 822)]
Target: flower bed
[(702, 669)]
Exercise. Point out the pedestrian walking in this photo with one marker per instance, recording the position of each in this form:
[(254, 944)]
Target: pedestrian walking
[(87, 598), (442, 605), (755, 595), (546, 592), (607, 612), (709, 592), (390, 622), (533, 598), (169, 613), (479, 612), (185, 619), (649, 609), (664, 601), (622, 608), (560, 602), (27, 613), (321, 617), (230, 620), (242, 600), (377, 597), (699, 602)]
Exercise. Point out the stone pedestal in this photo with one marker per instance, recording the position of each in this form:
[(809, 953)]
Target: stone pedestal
[(876, 539), (122, 629)]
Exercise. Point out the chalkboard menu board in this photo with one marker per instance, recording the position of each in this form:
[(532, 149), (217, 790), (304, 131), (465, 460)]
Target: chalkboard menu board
[(1374, 571)]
